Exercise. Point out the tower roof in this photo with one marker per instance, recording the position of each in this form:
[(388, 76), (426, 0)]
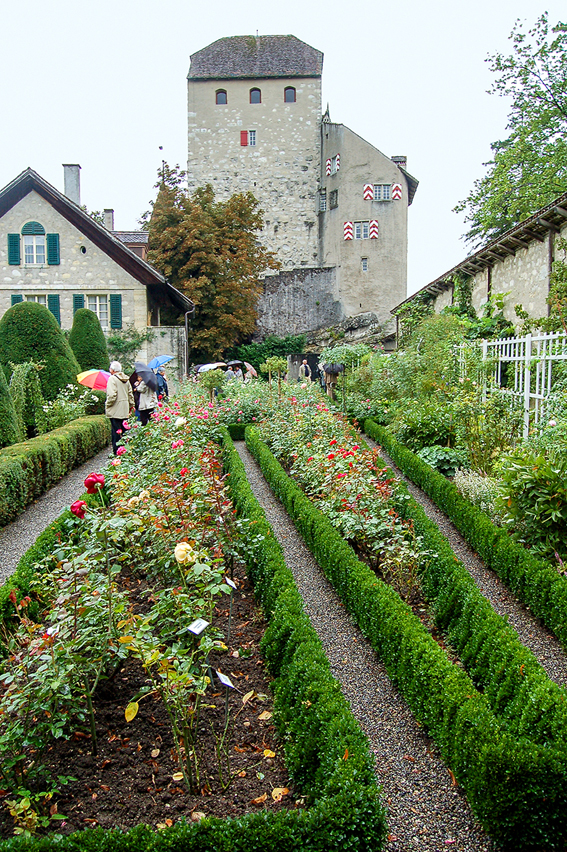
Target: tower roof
[(256, 56)]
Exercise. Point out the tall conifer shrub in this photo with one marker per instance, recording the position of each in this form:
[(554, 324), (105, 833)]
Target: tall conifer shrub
[(29, 332), (8, 423), (88, 342)]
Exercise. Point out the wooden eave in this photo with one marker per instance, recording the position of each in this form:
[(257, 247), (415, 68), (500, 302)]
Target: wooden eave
[(29, 181), (547, 220)]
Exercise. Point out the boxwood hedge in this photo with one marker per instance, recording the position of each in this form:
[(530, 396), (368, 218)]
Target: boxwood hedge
[(326, 752), (505, 740), (533, 581)]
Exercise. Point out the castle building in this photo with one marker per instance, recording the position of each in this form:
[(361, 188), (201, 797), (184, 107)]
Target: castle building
[(335, 207)]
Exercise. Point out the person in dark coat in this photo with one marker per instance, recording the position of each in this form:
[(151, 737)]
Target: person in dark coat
[(162, 388)]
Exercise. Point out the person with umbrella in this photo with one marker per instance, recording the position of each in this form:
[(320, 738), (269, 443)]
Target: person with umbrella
[(146, 387), (119, 401), (163, 390)]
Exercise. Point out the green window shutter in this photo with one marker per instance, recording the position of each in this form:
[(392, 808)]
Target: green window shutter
[(115, 310), (16, 298), (52, 241), (78, 302), (33, 228), (53, 305), (14, 249)]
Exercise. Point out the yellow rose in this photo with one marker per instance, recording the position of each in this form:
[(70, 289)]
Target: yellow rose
[(184, 553)]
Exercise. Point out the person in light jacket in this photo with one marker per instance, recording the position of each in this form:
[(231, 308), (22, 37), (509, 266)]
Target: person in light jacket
[(119, 401), (148, 401)]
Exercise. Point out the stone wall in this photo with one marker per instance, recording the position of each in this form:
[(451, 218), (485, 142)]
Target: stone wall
[(298, 301), (281, 169), (87, 272)]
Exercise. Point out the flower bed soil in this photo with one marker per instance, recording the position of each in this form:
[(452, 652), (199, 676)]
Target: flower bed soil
[(130, 781)]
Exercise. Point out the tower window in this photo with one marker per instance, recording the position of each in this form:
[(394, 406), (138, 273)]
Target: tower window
[(364, 264), (322, 200), (334, 198), (248, 137), (221, 97), (382, 192), (255, 96), (289, 95)]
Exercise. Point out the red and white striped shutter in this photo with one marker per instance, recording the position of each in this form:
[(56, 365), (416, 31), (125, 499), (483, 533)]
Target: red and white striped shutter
[(396, 192), (328, 167), (338, 161), (348, 231), (368, 192), (373, 229), (244, 138)]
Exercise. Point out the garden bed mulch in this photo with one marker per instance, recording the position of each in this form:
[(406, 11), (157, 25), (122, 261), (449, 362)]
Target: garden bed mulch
[(131, 779)]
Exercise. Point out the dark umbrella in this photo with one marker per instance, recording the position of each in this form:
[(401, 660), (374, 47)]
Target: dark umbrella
[(234, 363), (147, 376), (333, 368)]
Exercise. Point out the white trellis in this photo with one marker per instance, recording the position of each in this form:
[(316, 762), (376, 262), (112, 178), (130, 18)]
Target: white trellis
[(521, 367)]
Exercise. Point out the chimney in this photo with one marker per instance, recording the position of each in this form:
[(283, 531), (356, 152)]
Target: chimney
[(109, 219), (401, 161), (72, 181)]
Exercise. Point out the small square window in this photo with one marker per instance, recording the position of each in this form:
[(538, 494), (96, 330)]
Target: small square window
[(361, 230), (334, 166), (364, 264), (252, 138), (382, 192), (334, 199)]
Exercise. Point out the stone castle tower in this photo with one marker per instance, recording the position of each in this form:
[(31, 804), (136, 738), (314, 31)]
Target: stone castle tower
[(335, 208)]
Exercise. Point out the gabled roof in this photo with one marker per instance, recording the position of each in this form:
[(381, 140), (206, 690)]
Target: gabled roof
[(551, 218), (256, 56), (29, 181)]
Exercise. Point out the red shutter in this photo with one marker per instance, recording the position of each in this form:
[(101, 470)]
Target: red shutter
[(244, 138)]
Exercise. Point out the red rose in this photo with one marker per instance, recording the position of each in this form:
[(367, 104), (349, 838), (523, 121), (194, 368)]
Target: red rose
[(94, 482), (78, 508)]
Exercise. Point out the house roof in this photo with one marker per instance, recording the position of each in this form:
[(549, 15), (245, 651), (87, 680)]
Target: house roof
[(132, 236), (256, 56), (29, 181), (550, 218)]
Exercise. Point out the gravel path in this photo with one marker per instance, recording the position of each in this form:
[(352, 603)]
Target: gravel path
[(425, 810), (17, 537), (548, 650)]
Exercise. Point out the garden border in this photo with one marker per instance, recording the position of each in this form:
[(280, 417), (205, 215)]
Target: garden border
[(327, 755), (532, 580), (516, 787), (30, 468)]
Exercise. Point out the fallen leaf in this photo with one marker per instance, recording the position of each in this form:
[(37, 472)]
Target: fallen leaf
[(242, 773), (345, 755), (53, 808), (248, 696), (453, 779), (409, 757), (263, 717), (105, 763), (169, 822), (104, 787), (235, 654), (155, 752), (131, 711), (177, 776), (392, 837), (269, 753), (260, 800), (197, 816), (90, 821), (278, 793), (239, 750)]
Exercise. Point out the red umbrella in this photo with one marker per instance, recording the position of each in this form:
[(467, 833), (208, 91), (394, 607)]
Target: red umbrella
[(94, 379)]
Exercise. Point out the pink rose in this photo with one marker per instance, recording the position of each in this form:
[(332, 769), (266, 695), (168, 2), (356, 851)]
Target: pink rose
[(94, 482), (78, 508)]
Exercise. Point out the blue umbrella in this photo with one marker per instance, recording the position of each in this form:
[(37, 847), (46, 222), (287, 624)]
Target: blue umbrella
[(159, 360)]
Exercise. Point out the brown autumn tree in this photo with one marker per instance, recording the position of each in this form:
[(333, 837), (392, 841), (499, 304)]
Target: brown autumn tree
[(209, 250)]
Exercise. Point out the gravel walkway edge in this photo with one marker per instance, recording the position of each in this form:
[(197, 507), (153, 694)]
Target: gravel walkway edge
[(16, 538), (426, 811), (532, 633)]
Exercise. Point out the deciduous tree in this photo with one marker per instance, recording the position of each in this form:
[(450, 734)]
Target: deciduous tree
[(529, 167), (209, 250)]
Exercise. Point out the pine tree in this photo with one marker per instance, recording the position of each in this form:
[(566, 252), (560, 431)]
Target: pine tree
[(29, 332), (209, 250), (88, 342)]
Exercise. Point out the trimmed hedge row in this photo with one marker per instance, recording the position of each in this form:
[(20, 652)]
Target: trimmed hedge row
[(532, 580), (326, 752), (29, 469), (511, 759)]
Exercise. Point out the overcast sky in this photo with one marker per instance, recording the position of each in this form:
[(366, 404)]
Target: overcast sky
[(103, 84)]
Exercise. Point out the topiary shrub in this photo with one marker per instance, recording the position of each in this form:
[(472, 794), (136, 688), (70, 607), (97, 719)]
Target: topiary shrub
[(88, 342), (9, 432), (29, 332), (25, 391)]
